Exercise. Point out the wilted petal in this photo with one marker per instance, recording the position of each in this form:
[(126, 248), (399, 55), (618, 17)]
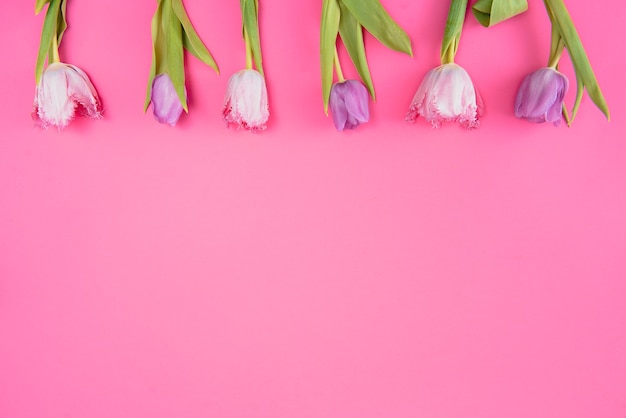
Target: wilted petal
[(349, 104), (245, 102), (166, 105), (540, 96), (447, 94)]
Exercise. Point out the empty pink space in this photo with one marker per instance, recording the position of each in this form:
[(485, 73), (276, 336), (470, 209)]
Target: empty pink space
[(392, 271)]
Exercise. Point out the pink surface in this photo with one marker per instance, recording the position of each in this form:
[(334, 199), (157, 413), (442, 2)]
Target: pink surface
[(393, 271)]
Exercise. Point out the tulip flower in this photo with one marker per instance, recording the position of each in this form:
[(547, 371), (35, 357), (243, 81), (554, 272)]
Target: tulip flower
[(349, 104), (61, 90), (540, 97), (447, 94), (245, 103), (166, 105)]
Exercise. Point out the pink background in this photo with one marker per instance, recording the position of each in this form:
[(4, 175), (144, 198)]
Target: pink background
[(392, 271)]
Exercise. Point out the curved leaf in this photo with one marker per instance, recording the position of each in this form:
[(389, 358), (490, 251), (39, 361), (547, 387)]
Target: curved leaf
[(584, 73), (452, 33), (351, 33), (174, 56), (249, 15), (490, 12), (191, 40), (39, 5), (375, 19), (158, 50), (47, 32)]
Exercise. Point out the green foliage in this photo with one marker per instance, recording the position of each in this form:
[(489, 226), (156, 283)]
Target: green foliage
[(491, 12)]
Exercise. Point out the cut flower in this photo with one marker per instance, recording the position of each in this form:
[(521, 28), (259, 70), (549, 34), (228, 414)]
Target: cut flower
[(245, 103), (62, 90), (540, 96), (447, 94), (349, 104)]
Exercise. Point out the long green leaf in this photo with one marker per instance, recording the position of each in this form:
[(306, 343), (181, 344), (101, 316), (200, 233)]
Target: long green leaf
[(39, 5), (157, 51), (175, 57), (490, 12), (47, 32), (351, 33), (62, 21), (582, 66), (328, 42), (375, 19), (250, 14), (452, 33), (191, 40)]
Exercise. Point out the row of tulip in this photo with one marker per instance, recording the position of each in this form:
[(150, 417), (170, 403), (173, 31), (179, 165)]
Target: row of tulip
[(446, 94)]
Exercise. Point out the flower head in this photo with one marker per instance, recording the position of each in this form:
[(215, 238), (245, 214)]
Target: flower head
[(349, 104), (166, 105), (245, 103), (540, 97), (447, 94), (62, 89)]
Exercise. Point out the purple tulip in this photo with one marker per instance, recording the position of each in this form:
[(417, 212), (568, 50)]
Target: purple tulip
[(447, 94), (62, 89), (349, 104), (245, 103), (166, 105), (540, 97)]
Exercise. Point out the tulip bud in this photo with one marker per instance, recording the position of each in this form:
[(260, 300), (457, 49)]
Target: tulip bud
[(447, 94), (166, 105), (349, 104), (63, 88), (245, 103), (540, 97)]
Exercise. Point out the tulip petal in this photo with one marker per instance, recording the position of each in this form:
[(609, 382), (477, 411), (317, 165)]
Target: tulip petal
[(245, 103), (83, 92), (540, 96), (166, 105), (349, 104)]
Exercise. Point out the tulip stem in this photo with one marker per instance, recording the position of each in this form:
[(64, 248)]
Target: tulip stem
[(54, 53), (338, 67), (246, 38)]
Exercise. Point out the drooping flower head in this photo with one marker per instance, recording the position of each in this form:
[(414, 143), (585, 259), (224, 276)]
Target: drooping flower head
[(166, 89), (64, 90), (166, 105), (245, 103), (349, 104), (447, 94), (540, 97)]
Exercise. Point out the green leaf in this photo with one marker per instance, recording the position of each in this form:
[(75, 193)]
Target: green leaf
[(328, 44), (584, 73), (452, 33), (490, 12), (158, 50), (62, 21), (39, 5), (249, 14), (351, 33), (48, 31), (375, 19), (191, 40), (174, 57)]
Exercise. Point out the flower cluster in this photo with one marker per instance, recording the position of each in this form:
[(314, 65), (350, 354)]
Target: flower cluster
[(446, 94)]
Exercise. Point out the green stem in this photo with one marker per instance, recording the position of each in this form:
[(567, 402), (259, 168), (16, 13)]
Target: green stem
[(452, 32), (338, 67), (246, 38), (55, 50)]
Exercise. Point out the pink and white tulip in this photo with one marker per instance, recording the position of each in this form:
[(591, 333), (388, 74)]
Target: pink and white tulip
[(540, 97), (63, 90), (447, 94), (245, 103)]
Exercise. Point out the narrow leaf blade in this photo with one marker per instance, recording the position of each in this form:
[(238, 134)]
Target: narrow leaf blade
[(351, 33), (192, 41), (249, 13), (375, 19), (491, 12), (47, 32), (328, 41)]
